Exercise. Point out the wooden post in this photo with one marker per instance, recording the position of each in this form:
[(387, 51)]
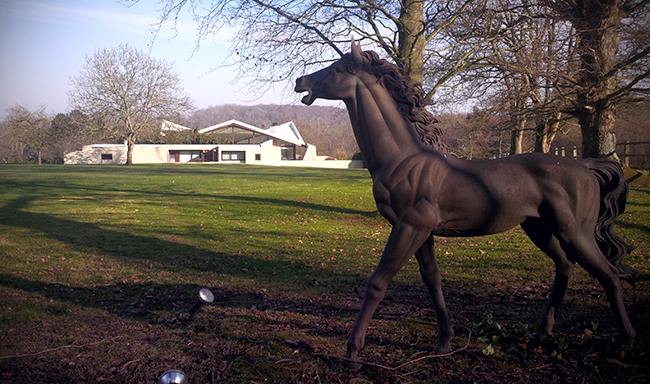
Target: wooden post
[(626, 152)]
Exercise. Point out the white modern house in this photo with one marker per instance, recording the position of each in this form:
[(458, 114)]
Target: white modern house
[(245, 143)]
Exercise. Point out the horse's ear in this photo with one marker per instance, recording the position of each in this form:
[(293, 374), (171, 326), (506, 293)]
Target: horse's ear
[(355, 50)]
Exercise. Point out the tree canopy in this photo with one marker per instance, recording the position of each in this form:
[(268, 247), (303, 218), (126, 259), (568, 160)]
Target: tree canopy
[(30, 128), (129, 91)]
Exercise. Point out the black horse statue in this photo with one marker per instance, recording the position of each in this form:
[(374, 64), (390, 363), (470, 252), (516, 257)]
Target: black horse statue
[(566, 207)]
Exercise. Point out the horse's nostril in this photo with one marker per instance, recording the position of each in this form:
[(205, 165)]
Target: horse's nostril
[(299, 81), (300, 85)]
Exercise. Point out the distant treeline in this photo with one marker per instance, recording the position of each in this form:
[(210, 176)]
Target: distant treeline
[(477, 134)]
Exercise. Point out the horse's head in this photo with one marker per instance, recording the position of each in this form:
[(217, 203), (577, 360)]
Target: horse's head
[(336, 82), (341, 80)]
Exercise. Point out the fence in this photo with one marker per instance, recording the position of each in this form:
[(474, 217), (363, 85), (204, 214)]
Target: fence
[(638, 159), (636, 154), (563, 152)]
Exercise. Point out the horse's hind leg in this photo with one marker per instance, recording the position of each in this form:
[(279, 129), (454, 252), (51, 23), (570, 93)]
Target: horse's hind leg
[(543, 238), (430, 272), (589, 256)]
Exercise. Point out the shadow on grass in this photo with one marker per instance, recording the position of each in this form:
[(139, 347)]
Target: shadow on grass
[(159, 303), (100, 192), (142, 299), (639, 227), (641, 190), (126, 247), (266, 172)]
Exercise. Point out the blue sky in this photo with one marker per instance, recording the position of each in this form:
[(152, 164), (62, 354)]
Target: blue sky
[(45, 42)]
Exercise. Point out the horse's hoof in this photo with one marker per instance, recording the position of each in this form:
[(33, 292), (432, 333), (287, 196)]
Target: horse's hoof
[(352, 365), (442, 349), (443, 346), (629, 339)]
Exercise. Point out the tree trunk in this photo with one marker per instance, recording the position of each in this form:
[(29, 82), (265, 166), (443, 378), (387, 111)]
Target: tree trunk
[(552, 131), (517, 135), (545, 132), (598, 132), (411, 40), (39, 153), (129, 151), (540, 134), (597, 46)]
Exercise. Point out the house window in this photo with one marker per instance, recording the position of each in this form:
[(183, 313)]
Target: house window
[(107, 156), (239, 156), (258, 157), (186, 156), (176, 156), (288, 153)]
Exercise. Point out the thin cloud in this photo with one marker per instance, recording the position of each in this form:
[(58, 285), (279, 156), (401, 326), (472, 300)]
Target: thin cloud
[(125, 19)]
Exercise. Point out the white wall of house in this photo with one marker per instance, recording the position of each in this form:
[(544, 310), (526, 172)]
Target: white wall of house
[(321, 163), (261, 154), (265, 153), (142, 153), (145, 154), (97, 154), (310, 153)]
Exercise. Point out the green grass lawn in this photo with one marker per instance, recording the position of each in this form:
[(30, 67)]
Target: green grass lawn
[(100, 264)]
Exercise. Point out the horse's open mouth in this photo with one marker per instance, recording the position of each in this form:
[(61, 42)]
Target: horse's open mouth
[(308, 98)]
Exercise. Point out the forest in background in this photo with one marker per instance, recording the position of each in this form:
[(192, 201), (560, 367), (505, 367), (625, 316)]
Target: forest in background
[(475, 135)]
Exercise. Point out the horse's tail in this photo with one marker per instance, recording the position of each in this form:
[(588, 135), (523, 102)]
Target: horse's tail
[(613, 196)]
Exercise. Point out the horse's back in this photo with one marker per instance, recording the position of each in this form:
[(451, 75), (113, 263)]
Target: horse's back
[(505, 192), (532, 170)]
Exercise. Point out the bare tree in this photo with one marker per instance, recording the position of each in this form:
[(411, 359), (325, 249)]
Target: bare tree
[(613, 62), (6, 145), (277, 40), (473, 136), (516, 72), (71, 131), (11, 148), (129, 91), (565, 59), (30, 128)]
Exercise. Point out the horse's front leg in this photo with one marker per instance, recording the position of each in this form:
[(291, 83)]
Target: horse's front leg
[(430, 272), (402, 243)]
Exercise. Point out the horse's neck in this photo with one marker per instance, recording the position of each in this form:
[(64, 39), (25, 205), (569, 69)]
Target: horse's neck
[(383, 135)]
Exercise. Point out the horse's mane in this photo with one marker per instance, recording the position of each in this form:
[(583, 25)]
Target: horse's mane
[(410, 98)]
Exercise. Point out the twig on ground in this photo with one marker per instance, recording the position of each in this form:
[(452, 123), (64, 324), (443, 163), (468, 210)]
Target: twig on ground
[(469, 337), (128, 363), (540, 367), (57, 348)]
